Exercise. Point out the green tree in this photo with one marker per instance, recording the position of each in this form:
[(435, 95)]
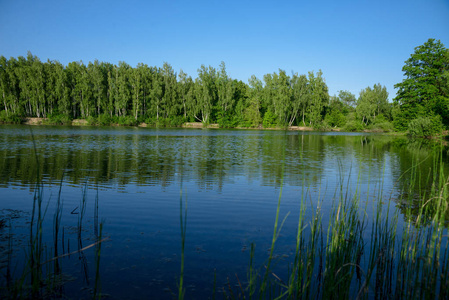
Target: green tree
[(347, 98), (123, 96), (252, 112), (241, 92), (372, 102), (98, 75), (277, 96), (185, 87), (225, 92), (300, 98), (9, 89), (170, 97), (425, 87), (319, 97), (157, 92), (205, 94)]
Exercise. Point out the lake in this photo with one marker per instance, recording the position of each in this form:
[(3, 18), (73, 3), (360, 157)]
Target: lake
[(230, 181)]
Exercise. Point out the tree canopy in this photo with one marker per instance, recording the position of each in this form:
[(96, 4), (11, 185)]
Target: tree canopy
[(424, 91), (105, 93)]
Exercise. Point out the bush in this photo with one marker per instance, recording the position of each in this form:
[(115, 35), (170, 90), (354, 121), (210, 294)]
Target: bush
[(177, 121), (380, 123), (353, 126), (58, 119), (425, 126), (9, 118), (383, 126), (322, 126), (127, 121), (150, 121), (91, 120), (269, 120), (104, 120), (335, 119)]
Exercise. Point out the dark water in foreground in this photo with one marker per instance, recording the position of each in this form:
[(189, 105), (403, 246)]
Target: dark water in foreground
[(230, 180)]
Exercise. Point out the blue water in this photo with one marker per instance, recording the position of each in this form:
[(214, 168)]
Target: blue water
[(229, 180)]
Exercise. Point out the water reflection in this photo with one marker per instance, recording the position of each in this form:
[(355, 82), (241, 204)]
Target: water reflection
[(230, 177), (211, 159)]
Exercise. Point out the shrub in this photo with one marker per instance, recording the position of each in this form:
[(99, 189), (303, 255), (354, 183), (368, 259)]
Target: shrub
[(9, 118), (380, 123), (127, 121), (104, 120), (57, 119), (177, 121), (384, 126), (269, 120), (425, 126), (150, 121), (322, 126), (91, 120), (335, 119), (353, 126)]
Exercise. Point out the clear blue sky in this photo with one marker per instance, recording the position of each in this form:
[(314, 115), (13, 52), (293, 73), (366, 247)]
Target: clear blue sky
[(355, 43)]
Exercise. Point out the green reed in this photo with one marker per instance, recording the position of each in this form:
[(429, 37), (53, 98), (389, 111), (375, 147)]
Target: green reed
[(183, 225), (365, 257), (41, 275)]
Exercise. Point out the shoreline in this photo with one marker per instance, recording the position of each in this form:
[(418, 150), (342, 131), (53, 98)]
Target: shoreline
[(198, 125)]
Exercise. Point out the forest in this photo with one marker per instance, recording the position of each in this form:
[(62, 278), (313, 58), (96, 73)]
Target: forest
[(105, 93)]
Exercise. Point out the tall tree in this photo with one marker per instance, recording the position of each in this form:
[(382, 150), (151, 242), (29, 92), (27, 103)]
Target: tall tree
[(252, 112), (170, 98), (5, 85), (205, 94), (372, 102), (157, 92), (137, 89), (62, 89), (347, 98), (225, 92), (123, 97), (424, 90), (319, 97), (185, 84), (300, 98), (98, 75), (277, 96)]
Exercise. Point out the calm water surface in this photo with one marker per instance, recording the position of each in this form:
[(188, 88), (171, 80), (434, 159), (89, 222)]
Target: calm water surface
[(230, 181)]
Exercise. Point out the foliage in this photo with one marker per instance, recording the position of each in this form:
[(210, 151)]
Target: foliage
[(269, 120), (104, 94), (382, 127), (425, 126), (322, 126), (425, 89), (91, 120), (353, 125), (9, 118), (58, 119), (104, 120), (252, 116), (126, 121), (372, 102), (347, 98), (319, 96), (335, 119)]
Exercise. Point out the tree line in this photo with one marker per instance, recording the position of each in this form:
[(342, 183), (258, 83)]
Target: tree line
[(105, 93)]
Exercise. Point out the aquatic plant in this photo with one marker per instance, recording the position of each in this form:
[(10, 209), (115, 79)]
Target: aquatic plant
[(40, 275), (359, 256)]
